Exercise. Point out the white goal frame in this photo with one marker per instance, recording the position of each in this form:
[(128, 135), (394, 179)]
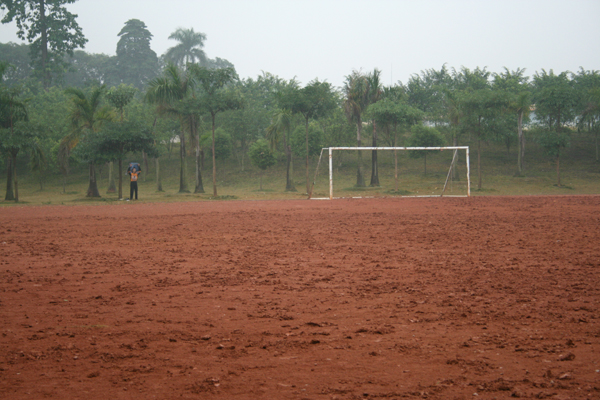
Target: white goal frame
[(455, 148)]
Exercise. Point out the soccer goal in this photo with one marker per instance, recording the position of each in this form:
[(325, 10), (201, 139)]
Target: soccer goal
[(453, 164)]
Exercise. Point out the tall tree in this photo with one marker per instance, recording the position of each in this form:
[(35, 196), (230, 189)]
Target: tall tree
[(555, 107), (516, 86), (136, 63), (261, 99), (587, 87), (280, 130), (480, 106), (313, 101), (390, 113), (375, 94), (554, 98), (169, 94), (12, 140), (87, 114), (49, 27), (356, 91), (213, 97), (118, 97), (116, 139), (189, 48)]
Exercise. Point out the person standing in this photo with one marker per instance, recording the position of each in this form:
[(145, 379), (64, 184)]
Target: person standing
[(134, 171)]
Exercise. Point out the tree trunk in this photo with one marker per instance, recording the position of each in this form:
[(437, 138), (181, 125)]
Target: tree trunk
[(395, 161), (479, 163), (596, 136), (214, 158), (10, 194), (111, 179), (145, 158), (360, 179), (16, 183), (520, 144), (558, 168), (199, 186), (289, 183), (307, 175), (120, 178), (260, 180), (183, 187), (374, 165), (92, 190), (159, 187), (455, 175)]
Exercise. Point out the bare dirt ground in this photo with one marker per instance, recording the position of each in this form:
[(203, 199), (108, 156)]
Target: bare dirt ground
[(485, 298)]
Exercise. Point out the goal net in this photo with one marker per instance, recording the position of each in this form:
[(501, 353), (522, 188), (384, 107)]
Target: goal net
[(442, 172)]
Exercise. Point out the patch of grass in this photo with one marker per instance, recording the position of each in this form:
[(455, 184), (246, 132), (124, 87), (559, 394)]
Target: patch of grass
[(563, 187), (362, 189), (399, 192)]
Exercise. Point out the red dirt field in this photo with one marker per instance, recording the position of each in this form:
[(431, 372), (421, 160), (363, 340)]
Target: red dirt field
[(455, 298)]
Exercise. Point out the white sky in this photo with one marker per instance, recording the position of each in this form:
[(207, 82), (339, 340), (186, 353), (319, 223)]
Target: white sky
[(327, 39)]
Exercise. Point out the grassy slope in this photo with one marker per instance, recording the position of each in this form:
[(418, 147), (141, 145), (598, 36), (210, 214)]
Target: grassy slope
[(580, 174)]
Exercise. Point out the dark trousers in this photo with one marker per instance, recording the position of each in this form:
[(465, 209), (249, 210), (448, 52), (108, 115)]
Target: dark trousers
[(132, 189)]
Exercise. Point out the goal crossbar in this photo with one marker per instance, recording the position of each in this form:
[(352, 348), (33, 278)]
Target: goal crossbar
[(455, 148)]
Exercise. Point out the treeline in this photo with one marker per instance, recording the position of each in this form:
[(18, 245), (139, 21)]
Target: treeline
[(62, 108)]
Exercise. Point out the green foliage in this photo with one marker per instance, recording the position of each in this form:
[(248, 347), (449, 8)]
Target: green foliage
[(136, 63), (389, 112), (87, 70), (554, 98), (423, 136), (426, 92), (315, 140), (189, 48), (17, 55), (119, 97), (551, 139), (115, 139), (261, 154), (222, 143), (49, 27)]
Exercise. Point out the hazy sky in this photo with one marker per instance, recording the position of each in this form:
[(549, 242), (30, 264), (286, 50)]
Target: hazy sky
[(327, 39)]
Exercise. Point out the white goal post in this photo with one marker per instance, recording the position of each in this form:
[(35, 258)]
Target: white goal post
[(455, 148)]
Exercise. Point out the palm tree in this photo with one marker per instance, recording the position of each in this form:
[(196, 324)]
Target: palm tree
[(189, 49), (169, 94), (213, 98), (375, 94), (356, 90), (86, 115), (281, 128)]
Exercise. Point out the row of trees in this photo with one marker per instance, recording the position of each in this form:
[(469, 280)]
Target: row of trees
[(202, 104), (212, 109)]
